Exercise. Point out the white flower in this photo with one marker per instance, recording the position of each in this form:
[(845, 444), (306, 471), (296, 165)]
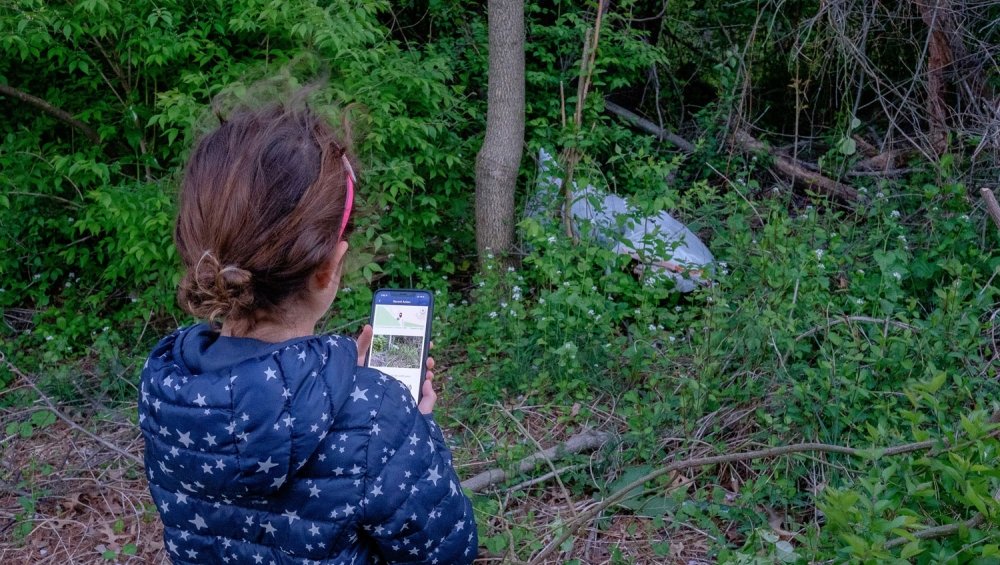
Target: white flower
[(346, 289), (597, 317), (503, 304), (49, 338), (37, 276), (541, 301), (516, 289), (894, 213), (860, 272), (652, 327), (513, 313), (672, 339), (565, 283), (880, 194), (510, 269), (482, 284), (593, 289), (106, 328), (963, 216), (590, 312), (677, 308), (451, 305), (754, 241), (859, 301), (551, 239), (819, 254), (863, 190), (897, 276), (489, 255), (493, 314)]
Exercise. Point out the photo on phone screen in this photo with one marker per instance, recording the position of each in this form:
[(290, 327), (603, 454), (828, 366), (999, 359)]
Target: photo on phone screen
[(400, 322)]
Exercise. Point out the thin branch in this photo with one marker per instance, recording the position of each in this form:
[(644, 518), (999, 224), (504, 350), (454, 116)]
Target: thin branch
[(51, 110), (59, 414), (866, 319), (943, 530), (630, 490)]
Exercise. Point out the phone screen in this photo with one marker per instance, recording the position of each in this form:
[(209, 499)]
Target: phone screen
[(400, 322)]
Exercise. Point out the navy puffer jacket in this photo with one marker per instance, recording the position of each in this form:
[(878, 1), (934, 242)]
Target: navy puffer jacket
[(288, 453)]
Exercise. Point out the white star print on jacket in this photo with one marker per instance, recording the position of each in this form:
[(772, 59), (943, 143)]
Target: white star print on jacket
[(289, 453)]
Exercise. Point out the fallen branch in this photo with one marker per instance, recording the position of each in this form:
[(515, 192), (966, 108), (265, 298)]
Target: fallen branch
[(649, 127), (796, 169), (991, 205), (583, 441), (65, 418), (570, 527), (51, 110), (943, 530)]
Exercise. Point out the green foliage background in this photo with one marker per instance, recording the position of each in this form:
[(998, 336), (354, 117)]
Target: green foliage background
[(864, 326)]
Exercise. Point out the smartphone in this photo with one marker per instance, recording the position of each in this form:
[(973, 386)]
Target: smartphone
[(401, 324)]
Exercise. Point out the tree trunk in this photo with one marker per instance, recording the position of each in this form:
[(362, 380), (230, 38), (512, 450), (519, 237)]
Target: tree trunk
[(500, 157)]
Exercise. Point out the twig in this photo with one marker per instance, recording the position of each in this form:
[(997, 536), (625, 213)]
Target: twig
[(66, 419), (846, 319), (991, 205), (631, 489), (51, 110), (583, 441), (543, 478)]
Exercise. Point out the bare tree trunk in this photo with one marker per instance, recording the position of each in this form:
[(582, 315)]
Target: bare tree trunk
[(500, 157)]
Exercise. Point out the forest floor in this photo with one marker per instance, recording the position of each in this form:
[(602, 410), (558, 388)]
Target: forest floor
[(73, 492)]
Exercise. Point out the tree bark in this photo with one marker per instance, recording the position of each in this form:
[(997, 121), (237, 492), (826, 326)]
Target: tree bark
[(499, 159)]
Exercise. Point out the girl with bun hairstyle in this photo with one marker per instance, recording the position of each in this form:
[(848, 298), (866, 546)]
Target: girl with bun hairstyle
[(265, 442)]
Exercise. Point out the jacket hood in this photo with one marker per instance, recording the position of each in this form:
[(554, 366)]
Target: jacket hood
[(220, 413)]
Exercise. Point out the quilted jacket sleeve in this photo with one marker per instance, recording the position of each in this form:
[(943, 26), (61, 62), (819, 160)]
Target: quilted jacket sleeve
[(415, 510)]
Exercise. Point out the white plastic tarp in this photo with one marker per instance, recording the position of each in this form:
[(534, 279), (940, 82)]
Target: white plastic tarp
[(661, 244)]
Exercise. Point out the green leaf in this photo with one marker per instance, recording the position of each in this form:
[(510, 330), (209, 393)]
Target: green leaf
[(911, 549)]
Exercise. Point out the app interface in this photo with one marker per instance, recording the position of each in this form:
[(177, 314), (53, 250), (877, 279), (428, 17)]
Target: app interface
[(399, 325)]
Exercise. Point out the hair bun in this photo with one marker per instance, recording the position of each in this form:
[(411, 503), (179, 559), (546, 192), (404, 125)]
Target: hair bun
[(212, 291)]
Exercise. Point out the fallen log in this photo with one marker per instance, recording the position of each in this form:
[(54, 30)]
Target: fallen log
[(649, 127), (796, 169)]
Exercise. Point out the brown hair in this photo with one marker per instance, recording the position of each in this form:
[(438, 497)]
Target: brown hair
[(261, 203)]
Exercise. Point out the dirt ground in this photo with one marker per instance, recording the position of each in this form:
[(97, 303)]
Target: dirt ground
[(72, 494)]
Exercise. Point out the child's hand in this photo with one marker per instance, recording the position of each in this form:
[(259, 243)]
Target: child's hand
[(427, 395), (364, 342)]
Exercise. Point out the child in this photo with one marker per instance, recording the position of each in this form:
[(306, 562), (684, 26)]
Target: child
[(265, 443)]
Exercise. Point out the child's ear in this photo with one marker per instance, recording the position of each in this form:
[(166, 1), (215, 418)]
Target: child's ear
[(329, 271)]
